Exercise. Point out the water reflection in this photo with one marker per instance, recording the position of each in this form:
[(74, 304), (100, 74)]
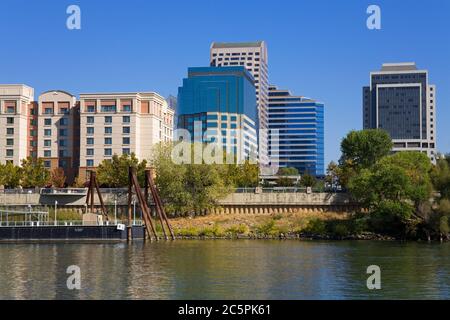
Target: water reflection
[(225, 269)]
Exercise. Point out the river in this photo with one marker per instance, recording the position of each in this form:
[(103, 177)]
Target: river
[(226, 269)]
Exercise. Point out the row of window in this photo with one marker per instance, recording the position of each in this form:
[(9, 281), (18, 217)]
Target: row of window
[(108, 119), (110, 108), (108, 130), (107, 151), (108, 141)]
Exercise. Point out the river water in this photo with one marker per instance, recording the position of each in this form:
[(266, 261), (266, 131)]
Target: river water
[(226, 269)]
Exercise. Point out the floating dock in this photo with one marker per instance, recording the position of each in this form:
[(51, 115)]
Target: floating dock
[(68, 233)]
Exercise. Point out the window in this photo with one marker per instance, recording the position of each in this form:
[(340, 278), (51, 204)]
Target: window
[(89, 152), (108, 152), (9, 142), (62, 163), (33, 122), (63, 132), (33, 143), (108, 119), (126, 140), (126, 108), (90, 141), (64, 111), (9, 152), (9, 131), (126, 150), (47, 153), (63, 121), (126, 130), (89, 130), (90, 120), (111, 108), (108, 141), (108, 130), (89, 163), (47, 163), (10, 120), (10, 109), (90, 108), (47, 143), (63, 143), (48, 110), (47, 132), (47, 122), (126, 119), (62, 153)]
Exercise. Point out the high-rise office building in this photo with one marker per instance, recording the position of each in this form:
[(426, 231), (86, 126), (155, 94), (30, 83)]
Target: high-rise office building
[(218, 104), (401, 101), (16, 123), (296, 137), (121, 123), (252, 56)]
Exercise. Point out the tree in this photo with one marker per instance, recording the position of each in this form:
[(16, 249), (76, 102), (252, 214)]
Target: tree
[(440, 176), (114, 173), (362, 149), (395, 190), (10, 175), (189, 188), (34, 173), (58, 178), (283, 176), (308, 180)]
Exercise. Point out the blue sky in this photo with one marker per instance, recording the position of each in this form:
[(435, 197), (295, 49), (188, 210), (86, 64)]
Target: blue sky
[(317, 48)]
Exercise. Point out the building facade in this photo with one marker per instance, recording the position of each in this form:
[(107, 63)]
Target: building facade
[(253, 56), (218, 104), (401, 101), (58, 123), (121, 123), (296, 136), (16, 122)]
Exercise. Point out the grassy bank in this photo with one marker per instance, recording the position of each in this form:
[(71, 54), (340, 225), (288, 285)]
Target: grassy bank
[(326, 225)]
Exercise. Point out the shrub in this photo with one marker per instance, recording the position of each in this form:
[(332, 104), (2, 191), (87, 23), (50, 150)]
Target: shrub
[(316, 226), (241, 229)]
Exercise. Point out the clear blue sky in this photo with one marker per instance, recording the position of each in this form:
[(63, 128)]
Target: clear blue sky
[(317, 48)]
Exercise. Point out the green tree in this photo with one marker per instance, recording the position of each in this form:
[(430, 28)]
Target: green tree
[(34, 173), (308, 180), (395, 190), (362, 149), (114, 173), (440, 176), (189, 188), (10, 175), (284, 174)]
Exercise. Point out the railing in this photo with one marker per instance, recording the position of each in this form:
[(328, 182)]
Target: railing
[(64, 191), (65, 223), (285, 190)]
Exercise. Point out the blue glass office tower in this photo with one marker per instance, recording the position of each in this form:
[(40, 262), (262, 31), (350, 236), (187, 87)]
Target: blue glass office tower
[(296, 132), (220, 103)]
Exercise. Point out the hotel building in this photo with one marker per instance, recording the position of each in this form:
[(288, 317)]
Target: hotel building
[(16, 123), (253, 56), (296, 132), (218, 104), (58, 126), (401, 101), (121, 123)]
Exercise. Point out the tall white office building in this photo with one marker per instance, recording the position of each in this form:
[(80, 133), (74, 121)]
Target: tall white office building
[(252, 55)]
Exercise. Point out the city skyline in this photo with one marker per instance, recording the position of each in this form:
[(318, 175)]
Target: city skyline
[(313, 66)]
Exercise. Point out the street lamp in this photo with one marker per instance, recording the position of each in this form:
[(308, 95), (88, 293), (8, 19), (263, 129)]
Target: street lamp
[(115, 211), (56, 209)]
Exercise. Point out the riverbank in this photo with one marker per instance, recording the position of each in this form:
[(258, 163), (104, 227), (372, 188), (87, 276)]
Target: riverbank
[(296, 225)]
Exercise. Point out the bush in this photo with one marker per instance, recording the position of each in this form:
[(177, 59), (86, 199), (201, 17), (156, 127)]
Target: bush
[(266, 228), (188, 232), (316, 226), (241, 229)]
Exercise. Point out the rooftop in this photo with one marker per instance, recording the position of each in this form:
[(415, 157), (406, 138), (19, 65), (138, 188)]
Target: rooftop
[(237, 44), (401, 66)]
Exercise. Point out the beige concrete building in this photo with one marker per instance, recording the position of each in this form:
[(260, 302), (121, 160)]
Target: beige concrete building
[(16, 103), (121, 123), (252, 55), (58, 131)]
